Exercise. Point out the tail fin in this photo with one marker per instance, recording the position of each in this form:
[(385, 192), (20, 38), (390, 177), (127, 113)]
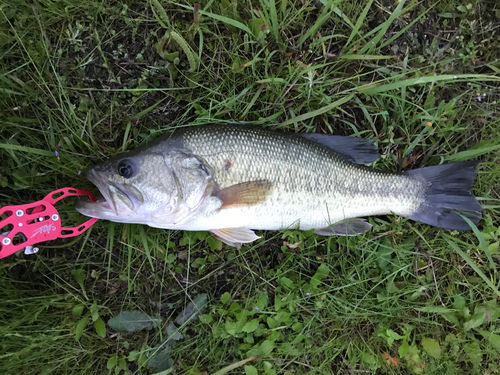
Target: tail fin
[(448, 188)]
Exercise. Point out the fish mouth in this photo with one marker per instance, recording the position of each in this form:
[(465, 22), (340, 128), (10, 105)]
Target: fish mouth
[(114, 200)]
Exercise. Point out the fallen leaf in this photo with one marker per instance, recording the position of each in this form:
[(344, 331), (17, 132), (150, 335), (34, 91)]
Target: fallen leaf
[(114, 287), (390, 360), (132, 321), (292, 245)]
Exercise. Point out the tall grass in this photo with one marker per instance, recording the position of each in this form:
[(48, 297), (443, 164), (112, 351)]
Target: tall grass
[(89, 80)]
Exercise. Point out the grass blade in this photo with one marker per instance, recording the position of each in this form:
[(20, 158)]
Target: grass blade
[(378, 87), (149, 109), (342, 15), (274, 21), (406, 28), (12, 92), (325, 14), (229, 21), (218, 17), (372, 44), (163, 14), (233, 366), (358, 24), (470, 262), (30, 150), (481, 240), (366, 57), (317, 112), (482, 148)]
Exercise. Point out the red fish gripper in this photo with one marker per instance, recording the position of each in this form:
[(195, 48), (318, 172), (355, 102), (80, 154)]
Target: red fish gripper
[(27, 224)]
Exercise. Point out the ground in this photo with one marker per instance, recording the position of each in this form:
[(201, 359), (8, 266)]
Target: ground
[(84, 80)]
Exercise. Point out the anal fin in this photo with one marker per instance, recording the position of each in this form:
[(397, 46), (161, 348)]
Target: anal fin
[(348, 227), (235, 236)]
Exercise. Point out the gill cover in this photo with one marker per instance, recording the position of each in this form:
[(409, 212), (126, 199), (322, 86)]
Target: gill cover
[(194, 185)]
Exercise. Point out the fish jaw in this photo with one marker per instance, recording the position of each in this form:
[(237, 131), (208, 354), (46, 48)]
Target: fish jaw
[(117, 202)]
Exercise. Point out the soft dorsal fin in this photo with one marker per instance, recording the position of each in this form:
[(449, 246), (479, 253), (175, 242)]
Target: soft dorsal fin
[(348, 227), (235, 236), (355, 150), (245, 194)]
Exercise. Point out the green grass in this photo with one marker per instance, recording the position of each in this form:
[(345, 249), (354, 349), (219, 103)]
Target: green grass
[(91, 79)]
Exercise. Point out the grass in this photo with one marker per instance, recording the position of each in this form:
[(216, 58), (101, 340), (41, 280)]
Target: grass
[(91, 79)]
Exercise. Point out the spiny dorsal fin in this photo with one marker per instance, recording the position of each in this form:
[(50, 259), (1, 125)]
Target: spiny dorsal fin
[(235, 236), (245, 194), (356, 150)]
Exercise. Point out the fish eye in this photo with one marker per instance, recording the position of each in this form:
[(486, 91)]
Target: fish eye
[(126, 169), (204, 169)]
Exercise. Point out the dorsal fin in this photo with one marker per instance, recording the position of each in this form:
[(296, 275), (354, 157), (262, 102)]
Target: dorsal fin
[(356, 150)]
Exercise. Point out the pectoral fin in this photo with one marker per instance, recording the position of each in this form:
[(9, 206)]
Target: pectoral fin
[(348, 227), (235, 236), (245, 194)]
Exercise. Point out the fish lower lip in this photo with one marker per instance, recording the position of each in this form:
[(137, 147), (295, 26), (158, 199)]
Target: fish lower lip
[(90, 208), (103, 202)]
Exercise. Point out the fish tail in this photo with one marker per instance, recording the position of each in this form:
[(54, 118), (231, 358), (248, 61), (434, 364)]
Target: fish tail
[(448, 188)]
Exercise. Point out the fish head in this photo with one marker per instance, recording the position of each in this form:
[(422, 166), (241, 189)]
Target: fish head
[(154, 188)]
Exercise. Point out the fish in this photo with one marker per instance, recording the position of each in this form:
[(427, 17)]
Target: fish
[(232, 180)]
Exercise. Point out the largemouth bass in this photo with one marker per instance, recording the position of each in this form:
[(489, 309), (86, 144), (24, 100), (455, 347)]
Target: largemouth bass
[(231, 180)]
